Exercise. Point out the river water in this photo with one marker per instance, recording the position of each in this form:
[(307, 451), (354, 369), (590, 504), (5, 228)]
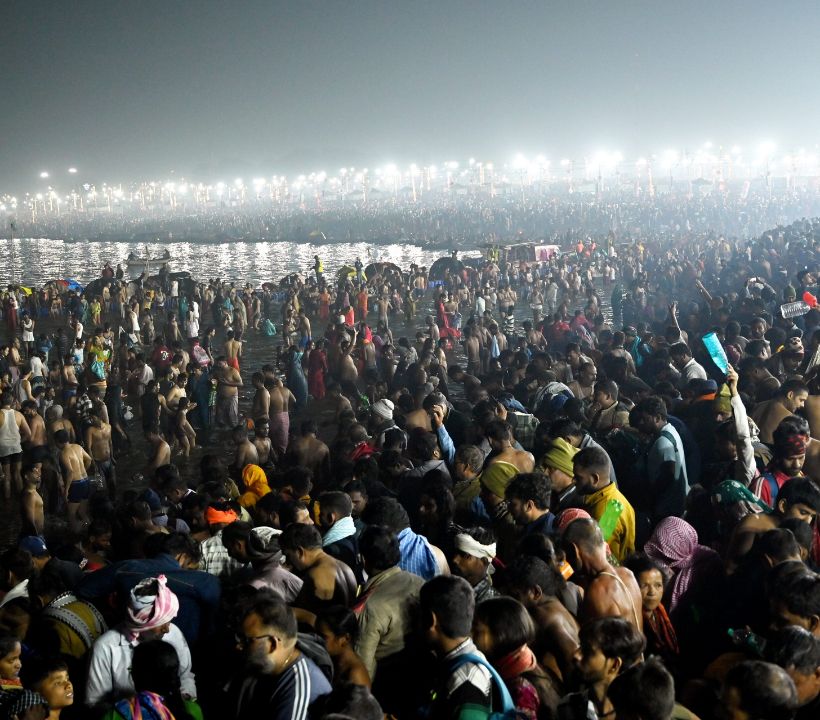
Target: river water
[(36, 261)]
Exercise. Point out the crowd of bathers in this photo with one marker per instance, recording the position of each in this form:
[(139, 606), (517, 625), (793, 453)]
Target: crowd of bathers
[(575, 485)]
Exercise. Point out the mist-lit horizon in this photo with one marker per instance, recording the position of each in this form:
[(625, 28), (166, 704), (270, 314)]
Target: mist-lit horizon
[(131, 92)]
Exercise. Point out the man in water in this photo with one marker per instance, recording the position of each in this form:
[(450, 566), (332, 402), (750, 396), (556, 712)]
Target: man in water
[(75, 463), (227, 393)]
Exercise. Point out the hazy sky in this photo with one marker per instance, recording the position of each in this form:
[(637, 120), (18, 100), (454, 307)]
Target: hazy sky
[(126, 90)]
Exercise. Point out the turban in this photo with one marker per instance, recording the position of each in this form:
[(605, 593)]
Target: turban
[(150, 605), (216, 516), (383, 409), (560, 456), (468, 545)]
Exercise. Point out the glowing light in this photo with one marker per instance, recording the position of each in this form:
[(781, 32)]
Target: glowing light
[(44, 174), (239, 183), (519, 161), (72, 170), (670, 157), (641, 162)]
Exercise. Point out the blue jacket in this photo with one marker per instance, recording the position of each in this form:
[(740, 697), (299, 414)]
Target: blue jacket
[(198, 591)]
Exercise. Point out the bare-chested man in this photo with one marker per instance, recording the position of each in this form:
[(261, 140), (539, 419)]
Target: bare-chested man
[(534, 584), (281, 400), (348, 374), (609, 591), (57, 422), (228, 382), (233, 350), (100, 446), (306, 450), (472, 348), (31, 502), (500, 436), (327, 581), (261, 397), (160, 451), (262, 443), (175, 392), (245, 450), (37, 428), (75, 463)]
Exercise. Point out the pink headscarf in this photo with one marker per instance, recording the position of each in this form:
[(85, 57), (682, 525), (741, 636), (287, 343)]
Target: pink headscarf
[(150, 610), (674, 545)]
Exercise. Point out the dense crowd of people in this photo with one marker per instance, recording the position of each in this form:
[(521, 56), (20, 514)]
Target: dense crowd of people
[(453, 218), (582, 486)]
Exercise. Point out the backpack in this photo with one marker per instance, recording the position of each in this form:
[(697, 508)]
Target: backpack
[(475, 712)]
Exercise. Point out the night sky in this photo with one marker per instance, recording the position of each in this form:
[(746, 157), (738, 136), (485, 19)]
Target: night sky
[(128, 90)]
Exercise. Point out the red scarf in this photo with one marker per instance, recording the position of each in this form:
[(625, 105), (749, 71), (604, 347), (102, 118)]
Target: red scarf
[(661, 627), (517, 662)]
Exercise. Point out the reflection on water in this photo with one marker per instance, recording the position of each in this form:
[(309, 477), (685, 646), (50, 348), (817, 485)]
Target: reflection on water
[(36, 261)]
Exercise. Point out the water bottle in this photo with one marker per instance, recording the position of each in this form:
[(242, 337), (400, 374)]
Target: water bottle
[(794, 309), (745, 639), (609, 520)]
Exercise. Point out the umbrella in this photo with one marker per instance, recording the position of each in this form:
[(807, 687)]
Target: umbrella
[(440, 267), (345, 272), (381, 268), (72, 285)]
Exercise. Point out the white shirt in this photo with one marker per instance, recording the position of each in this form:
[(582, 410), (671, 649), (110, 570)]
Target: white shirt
[(110, 667), (38, 369), (78, 334), (174, 288)]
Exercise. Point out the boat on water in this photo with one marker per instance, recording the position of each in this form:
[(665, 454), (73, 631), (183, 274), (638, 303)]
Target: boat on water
[(146, 263)]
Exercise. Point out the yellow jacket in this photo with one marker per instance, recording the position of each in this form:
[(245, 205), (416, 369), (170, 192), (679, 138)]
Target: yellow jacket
[(622, 542)]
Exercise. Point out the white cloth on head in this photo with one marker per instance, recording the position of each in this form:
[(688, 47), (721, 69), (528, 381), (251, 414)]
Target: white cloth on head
[(384, 409), (468, 545)]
